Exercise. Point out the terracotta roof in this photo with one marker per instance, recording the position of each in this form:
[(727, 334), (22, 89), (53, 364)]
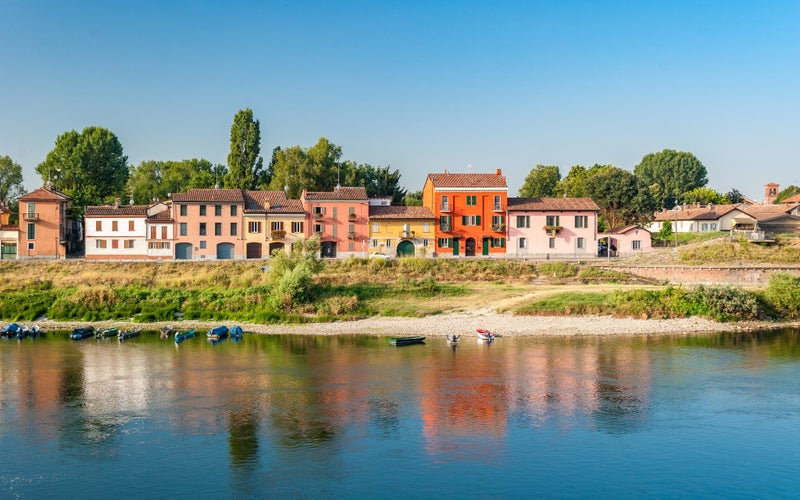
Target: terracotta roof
[(343, 193), (206, 195), (9, 228), (270, 202), (622, 229), (477, 181), (713, 212), (795, 198), (165, 216), (400, 212), (552, 204), (121, 211), (767, 212), (43, 194)]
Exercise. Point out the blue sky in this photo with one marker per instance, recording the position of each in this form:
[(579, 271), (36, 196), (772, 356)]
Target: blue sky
[(419, 85)]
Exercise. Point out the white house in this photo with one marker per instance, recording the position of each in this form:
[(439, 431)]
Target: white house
[(160, 231), (115, 232), (698, 219)]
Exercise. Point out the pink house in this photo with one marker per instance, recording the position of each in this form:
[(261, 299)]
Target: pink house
[(208, 224), (624, 241), (340, 218), (544, 228)]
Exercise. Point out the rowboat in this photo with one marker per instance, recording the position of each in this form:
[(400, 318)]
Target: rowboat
[(485, 334), (82, 332), (236, 332), (127, 334), (181, 336), (166, 331), (452, 338), (398, 341), (10, 330), (217, 333), (106, 332)]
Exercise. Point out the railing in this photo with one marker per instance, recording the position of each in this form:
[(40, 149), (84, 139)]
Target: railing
[(553, 230), (319, 216), (497, 207), (407, 234), (498, 228), (351, 235), (752, 235), (445, 227), (352, 217), (278, 234), (30, 216)]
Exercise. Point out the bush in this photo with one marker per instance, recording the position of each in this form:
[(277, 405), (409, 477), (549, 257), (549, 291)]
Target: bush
[(557, 269), (783, 295), (726, 304)]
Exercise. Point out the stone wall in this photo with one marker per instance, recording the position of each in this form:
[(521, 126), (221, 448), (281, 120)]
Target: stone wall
[(707, 275)]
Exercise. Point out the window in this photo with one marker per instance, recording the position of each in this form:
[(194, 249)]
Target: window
[(472, 200), (388, 243), (376, 227), (426, 227), (100, 243), (31, 245), (31, 231), (498, 242), (202, 210), (114, 243), (637, 244), (202, 229), (445, 204), (552, 220), (374, 243), (182, 229), (218, 210), (551, 243), (523, 221), (183, 210), (319, 212), (713, 226), (234, 228), (130, 225), (98, 225), (581, 243), (581, 221), (114, 225), (351, 211), (254, 227), (498, 203), (351, 246), (202, 244), (335, 213), (333, 230), (445, 242), (319, 228), (163, 232), (351, 228), (31, 209), (425, 242), (234, 211), (523, 243), (297, 227), (128, 243), (471, 220), (444, 223), (152, 232), (705, 226), (276, 226), (218, 229)]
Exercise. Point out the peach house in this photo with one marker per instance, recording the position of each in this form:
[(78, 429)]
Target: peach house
[(45, 226), (624, 241), (208, 224), (272, 222), (552, 227), (160, 230), (340, 218)]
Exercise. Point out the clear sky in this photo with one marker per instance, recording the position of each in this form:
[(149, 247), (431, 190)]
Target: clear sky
[(419, 85)]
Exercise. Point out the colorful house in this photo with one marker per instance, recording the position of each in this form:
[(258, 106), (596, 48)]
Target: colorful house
[(208, 224), (470, 213), (115, 232), (46, 231), (340, 218), (272, 223), (624, 241), (401, 231), (552, 227), (160, 230), (9, 234)]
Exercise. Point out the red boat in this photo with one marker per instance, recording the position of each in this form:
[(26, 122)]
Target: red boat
[(485, 334)]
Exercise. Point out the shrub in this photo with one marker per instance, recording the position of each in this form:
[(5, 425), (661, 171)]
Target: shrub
[(557, 269), (726, 304), (783, 295)]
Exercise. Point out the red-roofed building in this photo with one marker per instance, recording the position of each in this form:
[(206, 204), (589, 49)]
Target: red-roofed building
[(401, 231), (45, 226), (9, 235), (271, 222), (552, 227), (340, 219), (208, 223), (115, 232), (625, 241), (470, 212)]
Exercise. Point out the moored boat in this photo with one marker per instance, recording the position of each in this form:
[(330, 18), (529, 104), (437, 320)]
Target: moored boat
[(35, 331), (484, 334), (82, 332), (23, 332), (236, 332), (10, 330), (217, 333), (452, 338), (127, 334), (397, 341), (181, 336), (166, 331), (106, 332)]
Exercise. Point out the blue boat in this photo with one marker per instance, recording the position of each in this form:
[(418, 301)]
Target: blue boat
[(127, 334), (217, 333), (181, 336), (236, 332), (10, 330), (82, 333)]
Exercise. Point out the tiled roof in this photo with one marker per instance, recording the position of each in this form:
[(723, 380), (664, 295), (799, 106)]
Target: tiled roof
[(121, 211), (206, 195), (340, 194), (622, 229), (9, 227), (43, 194), (795, 198), (165, 216), (477, 181), (399, 212), (713, 212), (767, 212), (270, 202), (552, 204)]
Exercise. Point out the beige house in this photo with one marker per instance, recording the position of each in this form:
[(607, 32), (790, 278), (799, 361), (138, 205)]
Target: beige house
[(272, 223)]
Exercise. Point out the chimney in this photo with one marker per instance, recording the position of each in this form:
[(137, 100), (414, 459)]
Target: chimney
[(499, 171), (117, 202)]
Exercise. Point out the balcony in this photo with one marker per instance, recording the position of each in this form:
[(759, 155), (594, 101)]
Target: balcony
[(498, 228), (352, 217), (278, 234), (497, 208), (445, 227), (351, 235), (553, 230), (407, 234), (319, 216), (30, 216)]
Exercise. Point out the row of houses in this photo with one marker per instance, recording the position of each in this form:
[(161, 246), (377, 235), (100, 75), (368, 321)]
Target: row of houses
[(463, 214)]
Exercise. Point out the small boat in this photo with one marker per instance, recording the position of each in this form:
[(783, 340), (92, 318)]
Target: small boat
[(217, 333), (35, 331), (166, 331), (452, 338), (485, 334), (82, 332), (106, 332), (23, 332), (128, 334), (10, 330), (397, 341), (181, 336), (236, 332)]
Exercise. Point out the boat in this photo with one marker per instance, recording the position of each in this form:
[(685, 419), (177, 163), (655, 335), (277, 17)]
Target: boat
[(452, 338), (35, 331), (23, 332), (10, 330), (127, 334), (217, 333), (166, 331), (236, 332), (106, 332), (397, 341), (82, 332), (181, 336), (484, 334)]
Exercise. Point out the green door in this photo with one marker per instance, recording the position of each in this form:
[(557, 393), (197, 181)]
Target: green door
[(485, 247), (405, 249), (455, 247), (8, 251)]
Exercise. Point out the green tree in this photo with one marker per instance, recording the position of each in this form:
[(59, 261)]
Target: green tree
[(378, 181), (704, 196), (666, 231), (314, 169), (291, 274), (244, 162), (541, 182), (89, 166), (621, 197), (787, 192), (734, 196), (10, 179), (413, 199), (675, 172), (159, 179), (572, 184)]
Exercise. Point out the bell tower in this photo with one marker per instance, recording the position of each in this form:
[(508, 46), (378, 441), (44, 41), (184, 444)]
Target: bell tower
[(770, 193)]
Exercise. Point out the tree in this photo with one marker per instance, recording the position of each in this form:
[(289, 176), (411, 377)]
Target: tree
[(675, 172), (244, 162), (88, 166), (10, 180), (158, 179), (413, 199), (703, 196), (734, 196), (378, 181), (787, 192), (621, 197), (666, 231), (572, 184), (314, 169), (540, 182)]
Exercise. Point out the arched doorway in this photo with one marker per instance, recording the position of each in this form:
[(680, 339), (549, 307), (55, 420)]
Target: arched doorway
[(254, 250), (275, 246), (224, 251), (328, 249), (469, 247), (183, 251), (405, 249)]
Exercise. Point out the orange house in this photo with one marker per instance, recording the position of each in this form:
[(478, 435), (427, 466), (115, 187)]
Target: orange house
[(45, 229), (208, 224), (470, 212), (340, 218)]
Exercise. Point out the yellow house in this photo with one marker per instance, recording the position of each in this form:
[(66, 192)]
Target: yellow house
[(271, 222), (401, 231)]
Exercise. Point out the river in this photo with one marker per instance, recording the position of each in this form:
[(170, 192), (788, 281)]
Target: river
[(277, 416)]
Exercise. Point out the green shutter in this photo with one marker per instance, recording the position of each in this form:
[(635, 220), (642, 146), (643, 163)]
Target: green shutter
[(464, 220), (502, 242), (477, 220)]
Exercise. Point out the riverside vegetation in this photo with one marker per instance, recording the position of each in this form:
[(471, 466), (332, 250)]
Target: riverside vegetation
[(301, 288)]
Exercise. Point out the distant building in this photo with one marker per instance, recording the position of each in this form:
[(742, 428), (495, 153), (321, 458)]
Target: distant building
[(46, 230), (208, 224), (552, 227), (771, 191), (272, 222)]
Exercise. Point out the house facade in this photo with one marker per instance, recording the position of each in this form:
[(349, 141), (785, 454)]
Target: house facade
[(340, 218), (698, 218), (469, 211), (624, 241), (45, 230), (208, 224), (401, 231), (115, 232), (552, 227), (160, 231), (9, 235), (272, 223)]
